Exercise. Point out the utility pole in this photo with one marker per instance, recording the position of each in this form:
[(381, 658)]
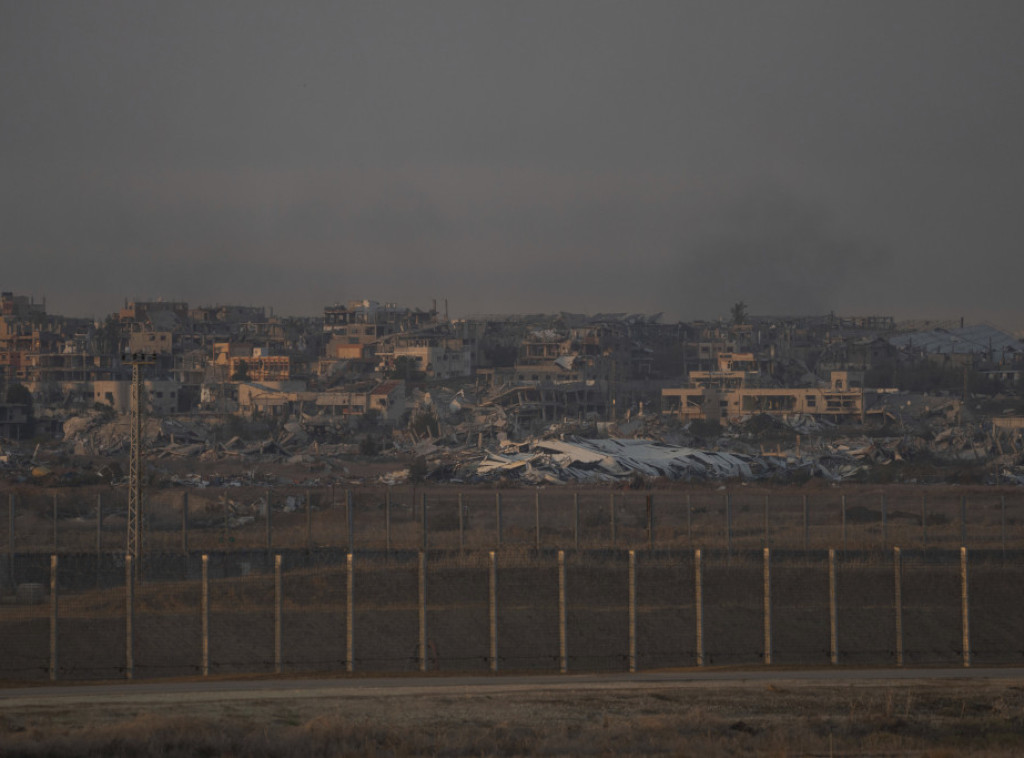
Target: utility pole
[(134, 542)]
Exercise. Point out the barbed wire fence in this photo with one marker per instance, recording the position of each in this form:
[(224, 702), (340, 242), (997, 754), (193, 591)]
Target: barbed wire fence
[(390, 519)]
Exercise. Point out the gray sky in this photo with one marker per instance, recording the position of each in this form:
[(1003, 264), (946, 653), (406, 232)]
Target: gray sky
[(862, 157)]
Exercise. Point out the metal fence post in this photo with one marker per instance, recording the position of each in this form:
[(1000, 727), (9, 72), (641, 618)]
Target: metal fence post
[(129, 617), (55, 523), (563, 656), (204, 612), (632, 612), (350, 613), (965, 617), (833, 615), (422, 586), (492, 614), (277, 614), (897, 564), (767, 607), (53, 615), (698, 606)]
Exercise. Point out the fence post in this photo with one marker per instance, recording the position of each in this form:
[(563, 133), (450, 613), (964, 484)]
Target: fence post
[(632, 612), (129, 617), (53, 615), (422, 583), (423, 521), (965, 618), (611, 515), (497, 517), (55, 523), (492, 614), (897, 564), (350, 510), (807, 528), (576, 519), (833, 615), (204, 612), (277, 614), (350, 612), (698, 606), (767, 607), (184, 522), (563, 656), (462, 527)]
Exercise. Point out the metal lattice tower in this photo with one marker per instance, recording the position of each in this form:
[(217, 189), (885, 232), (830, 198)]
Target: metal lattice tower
[(134, 544)]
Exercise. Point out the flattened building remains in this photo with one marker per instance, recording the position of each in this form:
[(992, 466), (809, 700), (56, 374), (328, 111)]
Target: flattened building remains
[(425, 383)]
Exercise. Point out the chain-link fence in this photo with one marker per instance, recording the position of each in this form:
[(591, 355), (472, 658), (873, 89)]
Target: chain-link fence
[(247, 612), (385, 519)]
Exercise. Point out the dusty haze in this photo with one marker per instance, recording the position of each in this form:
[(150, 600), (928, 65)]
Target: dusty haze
[(586, 156)]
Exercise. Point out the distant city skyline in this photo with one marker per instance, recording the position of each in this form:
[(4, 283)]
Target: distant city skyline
[(584, 156)]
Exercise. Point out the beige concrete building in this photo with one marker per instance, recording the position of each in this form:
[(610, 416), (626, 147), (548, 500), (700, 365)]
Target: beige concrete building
[(843, 398), (161, 395)]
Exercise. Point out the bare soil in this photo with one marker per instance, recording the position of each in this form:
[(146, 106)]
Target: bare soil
[(788, 718)]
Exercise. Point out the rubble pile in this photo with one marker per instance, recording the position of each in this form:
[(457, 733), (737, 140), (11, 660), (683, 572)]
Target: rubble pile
[(459, 436)]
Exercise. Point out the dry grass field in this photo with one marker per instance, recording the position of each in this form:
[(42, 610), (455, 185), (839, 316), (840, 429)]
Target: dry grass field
[(789, 718)]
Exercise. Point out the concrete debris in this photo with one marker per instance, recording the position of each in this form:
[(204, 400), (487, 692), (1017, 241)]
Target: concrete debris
[(475, 434)]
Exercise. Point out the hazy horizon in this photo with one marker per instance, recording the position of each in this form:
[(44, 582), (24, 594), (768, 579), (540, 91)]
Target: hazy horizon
[(804, 157)]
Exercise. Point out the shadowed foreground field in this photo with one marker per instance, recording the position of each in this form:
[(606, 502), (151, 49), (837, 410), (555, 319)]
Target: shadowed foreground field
[(788, 718)]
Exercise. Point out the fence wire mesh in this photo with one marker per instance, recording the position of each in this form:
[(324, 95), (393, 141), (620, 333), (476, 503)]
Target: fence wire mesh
[(250, 612)]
